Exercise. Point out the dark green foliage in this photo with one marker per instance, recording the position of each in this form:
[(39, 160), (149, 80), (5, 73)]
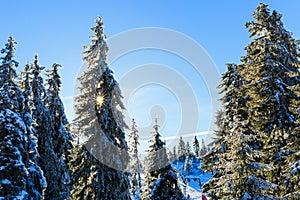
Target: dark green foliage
[(85, 178), (62, 136), (101, 175), (161, 179), (20, 176), (135, 165), (292, 156), (237, 157), (270, 69), (181, 151), (8, 64), (52, 164), (255, 147), (203, 149), (196, 146)]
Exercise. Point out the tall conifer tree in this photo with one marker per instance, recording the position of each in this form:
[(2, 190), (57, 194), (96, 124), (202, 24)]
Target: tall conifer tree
[(161, 179), (99, 116), (181, 150), (238, 168), (20, 175), (62, 136), (135, 164), (270, 68), (196, 147), (261, 115), (53, 166), (203, 149)]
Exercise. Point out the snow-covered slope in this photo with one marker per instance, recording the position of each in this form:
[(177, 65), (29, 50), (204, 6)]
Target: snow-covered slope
[(191, 183)]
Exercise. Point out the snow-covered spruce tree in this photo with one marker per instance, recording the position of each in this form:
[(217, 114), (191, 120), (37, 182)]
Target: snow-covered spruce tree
[(189, 158), (8, 64), (20, 176), (161, 179), (84, 174), (203, 149), (239, 173), (196, 146), (101, 122), (62, 136), (214, 161), (292, 172), (188, 149), (188, 164), (36, 172), (211, 161), (53, 166), (211, 157), (181, 151), (270, 67), (83, 165), (135, 164), (111, 121), (174, 156), (245, 179)]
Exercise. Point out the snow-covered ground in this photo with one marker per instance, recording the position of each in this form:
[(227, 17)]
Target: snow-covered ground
[(190, 182)]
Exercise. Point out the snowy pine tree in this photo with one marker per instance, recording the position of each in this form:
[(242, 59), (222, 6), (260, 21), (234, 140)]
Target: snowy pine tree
[(261, 103), (135, 164), (239, 173), (174, 155), (188, 149), (161, 179), (83, 165), (62, 136), (53, 166), (84, 174), (196, 147), (99, 116), (203, 149), (189, 158), (8, 64), (271, 68), (188, 164), (292, 170), (211, 160), (181, 151), (20, 176)]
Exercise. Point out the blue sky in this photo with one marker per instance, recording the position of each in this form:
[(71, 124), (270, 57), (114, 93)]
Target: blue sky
[(58, 30)]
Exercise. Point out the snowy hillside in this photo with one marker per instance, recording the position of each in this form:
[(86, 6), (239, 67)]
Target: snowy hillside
[(189, 182)]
